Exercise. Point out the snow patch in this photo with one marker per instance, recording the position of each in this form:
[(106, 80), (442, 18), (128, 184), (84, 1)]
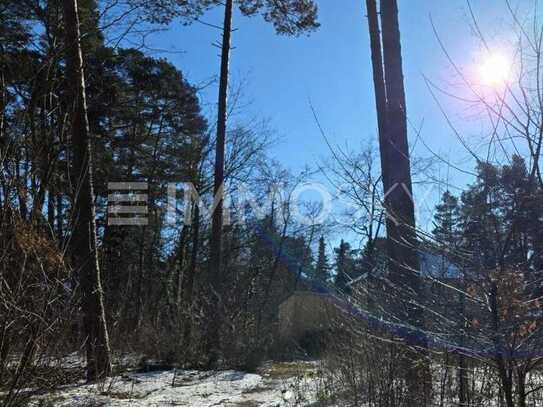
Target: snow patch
[(187, 388)]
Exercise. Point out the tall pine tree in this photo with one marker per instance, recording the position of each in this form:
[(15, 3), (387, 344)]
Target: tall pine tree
[(84, 238)]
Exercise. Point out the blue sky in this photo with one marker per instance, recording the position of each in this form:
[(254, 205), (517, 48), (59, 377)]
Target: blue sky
[(331, 68)]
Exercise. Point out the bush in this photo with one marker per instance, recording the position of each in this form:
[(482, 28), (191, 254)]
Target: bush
[(35, 306)]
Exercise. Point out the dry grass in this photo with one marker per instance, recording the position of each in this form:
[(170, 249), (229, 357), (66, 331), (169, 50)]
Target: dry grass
[(287, 370), (244, 404)]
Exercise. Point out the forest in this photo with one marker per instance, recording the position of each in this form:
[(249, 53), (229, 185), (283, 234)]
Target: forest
[(162, 244)]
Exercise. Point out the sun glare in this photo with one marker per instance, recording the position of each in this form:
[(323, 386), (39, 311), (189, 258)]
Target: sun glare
[(495, 70)]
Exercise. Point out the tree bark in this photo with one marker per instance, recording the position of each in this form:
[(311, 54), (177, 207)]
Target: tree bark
[(83, 238), (215, 262), (399, 201), (379, 84), (396, 174)]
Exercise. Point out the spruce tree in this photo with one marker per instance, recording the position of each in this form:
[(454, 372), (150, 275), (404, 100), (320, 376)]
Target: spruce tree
[(322, 269), (447, 220)]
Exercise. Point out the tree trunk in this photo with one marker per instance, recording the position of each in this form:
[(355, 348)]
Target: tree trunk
[(83, 238), (396, 171), (215, 262), (179, 270), (504, 369), (379, 85), (399, 201), (463, 368), (51, 211), (137, 317), (463, 380), (507, 385), (60, 219), (521, 387), (188, 286)]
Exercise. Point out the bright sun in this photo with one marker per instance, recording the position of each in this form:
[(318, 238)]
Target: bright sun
[(495, 70)]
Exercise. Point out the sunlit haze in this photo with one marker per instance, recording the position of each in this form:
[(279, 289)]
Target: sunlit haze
[(495, 70)]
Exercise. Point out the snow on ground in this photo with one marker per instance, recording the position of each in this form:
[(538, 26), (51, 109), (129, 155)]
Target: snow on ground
[(192, 388)]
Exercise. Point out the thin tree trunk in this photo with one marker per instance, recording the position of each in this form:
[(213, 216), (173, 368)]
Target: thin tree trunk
[(463, 372), (51, 211), (188, 286), (504, 371), (180, 269), (60, 214), (215, 263), (521, 388), (83, 239), (138, 312), (20, 184), (507, 384)]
